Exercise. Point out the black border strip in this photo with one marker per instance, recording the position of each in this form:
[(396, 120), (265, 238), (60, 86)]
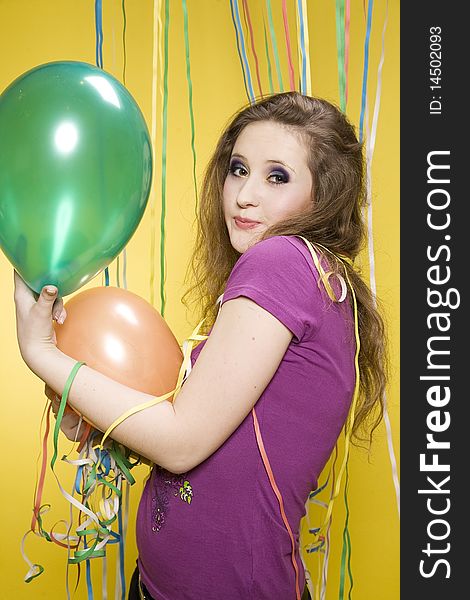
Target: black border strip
[(434, 234)]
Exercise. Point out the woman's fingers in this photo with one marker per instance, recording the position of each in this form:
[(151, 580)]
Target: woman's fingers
[(26, 295), (50, 393), (59, 313), (53, 397), (71, 423), (55, 403), (72, 426)]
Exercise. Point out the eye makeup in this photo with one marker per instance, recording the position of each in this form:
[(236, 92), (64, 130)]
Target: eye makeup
[(234, 166), (281, 174)]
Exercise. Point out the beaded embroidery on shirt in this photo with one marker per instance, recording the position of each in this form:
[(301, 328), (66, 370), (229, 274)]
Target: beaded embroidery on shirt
[(166, 485)]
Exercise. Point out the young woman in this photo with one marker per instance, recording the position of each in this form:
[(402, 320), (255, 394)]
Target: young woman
[(271, 388)]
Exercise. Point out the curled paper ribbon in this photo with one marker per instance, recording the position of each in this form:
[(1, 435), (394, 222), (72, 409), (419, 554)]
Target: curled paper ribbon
[(102, 468)]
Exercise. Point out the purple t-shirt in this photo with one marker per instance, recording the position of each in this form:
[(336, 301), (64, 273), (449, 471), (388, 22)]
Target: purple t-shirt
[(216, 531)]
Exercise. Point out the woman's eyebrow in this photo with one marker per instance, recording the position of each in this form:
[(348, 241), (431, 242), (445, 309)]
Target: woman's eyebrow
[(271, 161)]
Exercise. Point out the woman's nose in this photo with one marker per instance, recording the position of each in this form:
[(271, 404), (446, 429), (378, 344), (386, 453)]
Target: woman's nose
[(249, 193)]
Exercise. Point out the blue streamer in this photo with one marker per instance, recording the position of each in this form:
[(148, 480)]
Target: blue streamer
[(99, 63), (89, 585), (78, 479), (99, 33), (242, 52), (316, 548), (121, 554), (315, 530), (319, 489), (114, 535), (366, 68), (303, 84), (105, 462)]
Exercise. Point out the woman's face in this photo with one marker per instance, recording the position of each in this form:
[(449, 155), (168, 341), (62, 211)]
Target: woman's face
[(268, 181)]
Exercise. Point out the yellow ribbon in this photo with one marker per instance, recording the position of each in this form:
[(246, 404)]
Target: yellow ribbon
[(324, 277), (182, 375)]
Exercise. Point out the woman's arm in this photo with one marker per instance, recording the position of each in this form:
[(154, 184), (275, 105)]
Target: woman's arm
[(239, 359)]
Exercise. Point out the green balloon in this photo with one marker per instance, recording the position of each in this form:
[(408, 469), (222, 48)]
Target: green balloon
[(75, 173)]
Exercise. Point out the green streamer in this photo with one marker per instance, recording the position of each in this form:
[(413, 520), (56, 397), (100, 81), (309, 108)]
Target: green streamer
[(124, 27), (124, 41), (340, 48), (118, 283), (274, 44), (190, 97), (164, 147), (266, 47), (122, 462), (346, 550), (60, 412), (90, 552), (42, 531), (40, 571)]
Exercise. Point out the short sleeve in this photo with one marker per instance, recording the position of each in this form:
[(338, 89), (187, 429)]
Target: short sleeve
[(278, 274)]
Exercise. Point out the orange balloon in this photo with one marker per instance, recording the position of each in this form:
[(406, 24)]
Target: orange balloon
[(122, 336)]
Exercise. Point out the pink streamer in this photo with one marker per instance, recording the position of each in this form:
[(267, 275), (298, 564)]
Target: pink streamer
[(347, 20), (252, 42), (289, 50)]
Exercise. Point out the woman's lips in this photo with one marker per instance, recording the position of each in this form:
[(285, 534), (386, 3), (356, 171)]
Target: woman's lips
[(245, 223)]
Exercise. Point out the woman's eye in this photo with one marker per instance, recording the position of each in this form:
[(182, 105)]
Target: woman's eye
[(238, 170), (278, 177)]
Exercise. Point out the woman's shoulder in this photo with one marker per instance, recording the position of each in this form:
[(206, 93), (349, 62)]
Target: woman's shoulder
[(280, 250), (279, 275), (285, 258)]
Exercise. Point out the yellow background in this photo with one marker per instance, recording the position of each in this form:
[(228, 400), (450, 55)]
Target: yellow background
[(33, 32)]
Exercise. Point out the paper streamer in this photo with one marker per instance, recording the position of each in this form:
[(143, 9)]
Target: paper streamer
[(340, 43), (288, 45), (272, 33), (246, 11), (322, 546), (99, 33), (314, 249), (157, 44), (346, 551), (370, 146), (190, 100), (164, 154), (241, 50), (268, 60), (124, 52), (99, 63), (304, 49), (366, 69), (99, 478), (347, 22)]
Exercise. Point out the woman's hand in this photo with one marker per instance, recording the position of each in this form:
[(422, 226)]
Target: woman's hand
[(72, 425), (34, 319), (36, 335)]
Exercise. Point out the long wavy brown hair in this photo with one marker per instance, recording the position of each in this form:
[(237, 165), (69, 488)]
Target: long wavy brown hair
[(335, 220)]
